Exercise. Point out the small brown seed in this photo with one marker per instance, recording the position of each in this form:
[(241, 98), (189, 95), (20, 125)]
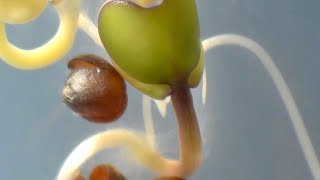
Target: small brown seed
[(169, 178), (106, 172), (95, 90)]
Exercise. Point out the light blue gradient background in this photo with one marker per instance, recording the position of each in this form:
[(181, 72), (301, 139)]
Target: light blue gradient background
[(246, 130)]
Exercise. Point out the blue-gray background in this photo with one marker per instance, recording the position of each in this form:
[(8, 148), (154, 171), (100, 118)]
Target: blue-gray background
[(246, 130)]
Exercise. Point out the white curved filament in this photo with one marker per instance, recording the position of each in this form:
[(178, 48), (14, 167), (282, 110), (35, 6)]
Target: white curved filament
[(53, 50), (285, 94)]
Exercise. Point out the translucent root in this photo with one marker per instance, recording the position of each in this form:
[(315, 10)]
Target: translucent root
[(204, 86), (86, 25), (21, 11), (53, 50), (142, 151), (285, 94), (148, 120), (143, 3), (162, 105)]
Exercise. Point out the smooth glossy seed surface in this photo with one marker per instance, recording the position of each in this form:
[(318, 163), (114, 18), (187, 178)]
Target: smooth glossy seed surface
[(95, 90)]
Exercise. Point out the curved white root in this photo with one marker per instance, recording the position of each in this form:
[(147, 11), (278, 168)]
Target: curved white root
[(50, 52), (285, 94), (20, 12), (134, 143)]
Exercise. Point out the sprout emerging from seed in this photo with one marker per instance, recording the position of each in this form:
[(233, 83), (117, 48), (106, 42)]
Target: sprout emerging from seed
[(23, 11), (171, 59)]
